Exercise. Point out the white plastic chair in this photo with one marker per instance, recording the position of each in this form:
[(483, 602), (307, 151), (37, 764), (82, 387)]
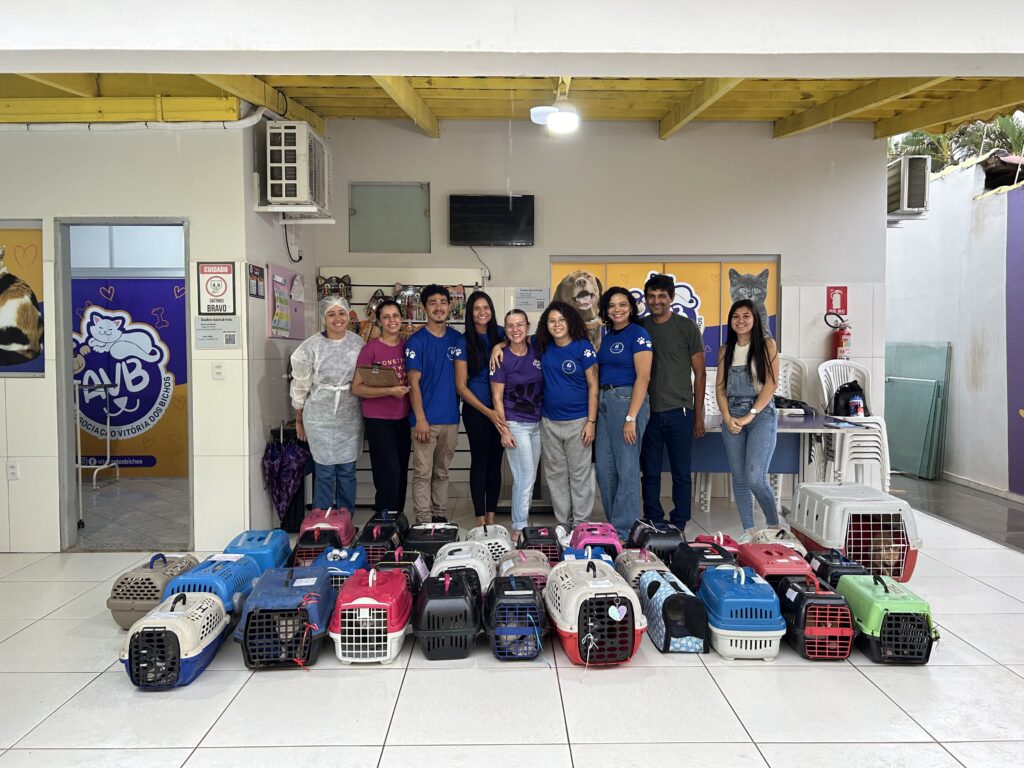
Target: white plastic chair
[(702, 480), (834, 373), (860, 448), (792, 375)]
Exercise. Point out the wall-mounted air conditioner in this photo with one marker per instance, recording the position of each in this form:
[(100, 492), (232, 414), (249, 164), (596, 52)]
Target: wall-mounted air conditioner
[(908, 185), (297, 176)]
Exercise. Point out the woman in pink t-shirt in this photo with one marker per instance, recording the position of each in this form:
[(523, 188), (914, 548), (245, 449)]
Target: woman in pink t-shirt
[(386, 411)]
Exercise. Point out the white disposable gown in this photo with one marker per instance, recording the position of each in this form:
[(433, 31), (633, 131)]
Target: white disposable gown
[(322, 371)]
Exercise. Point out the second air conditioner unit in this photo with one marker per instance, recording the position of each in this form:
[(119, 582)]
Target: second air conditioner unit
[(907, 181), (298, 170)]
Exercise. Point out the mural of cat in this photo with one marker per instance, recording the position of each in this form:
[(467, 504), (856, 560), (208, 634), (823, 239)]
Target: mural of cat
[(21, 322), (105, 334), (753, 287)]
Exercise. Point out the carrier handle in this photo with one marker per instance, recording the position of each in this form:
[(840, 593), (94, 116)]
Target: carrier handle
[(447, 581), (880, 580), (814, 582), (522, 555), (592, 568), (178, 598), (839, 554), (376, 532), (719, 538), (781, 534), (645, 555), (399, 552), (153, 559), (736, 571), (371, 580), (512, 582), (588, 552)]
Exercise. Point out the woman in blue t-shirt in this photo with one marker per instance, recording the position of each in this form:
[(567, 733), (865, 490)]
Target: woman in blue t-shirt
[(624, 360), (482, 421)]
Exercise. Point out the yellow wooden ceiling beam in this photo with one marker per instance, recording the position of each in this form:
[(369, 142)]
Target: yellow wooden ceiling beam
[(120, 110), (76, 85), (257, 92), (702, 97), (994, 98), (866, 97), (406, 97)]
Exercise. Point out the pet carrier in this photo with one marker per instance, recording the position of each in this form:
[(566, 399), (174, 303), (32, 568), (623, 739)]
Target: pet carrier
[(378, 539), (868, 526), (544, 540), (773, 561), (724, 540), (447, 616), (588, 553), (285, 618), (173, 644), (496, 538), (895, 625), (371, 618), (270, 549), (743, 614), (636, 532), (691, 560), (818, 620), (428, 538), (779, 536), (596, 614), (412, 565), (596, 535), (229, 577), (634, 563), (311, 544), (342, 563), (832, 565), (662, 541), (676, 619), (138, 591), (515, 619), (397, 519), (526, 563), (470, 555)]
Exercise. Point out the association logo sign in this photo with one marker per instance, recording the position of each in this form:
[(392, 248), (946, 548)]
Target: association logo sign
[(129, 361)]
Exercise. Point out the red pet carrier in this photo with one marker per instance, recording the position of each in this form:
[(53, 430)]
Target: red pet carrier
[(773, 561), (724, 540), (371, 617), (322, 529), (818, 620), (337, 520)]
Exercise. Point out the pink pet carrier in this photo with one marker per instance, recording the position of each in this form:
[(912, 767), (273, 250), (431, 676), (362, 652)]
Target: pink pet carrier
[(338, 520), (596, 535), (371, 618)]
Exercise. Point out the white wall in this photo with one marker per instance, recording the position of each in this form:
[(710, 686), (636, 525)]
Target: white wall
[(615, 189), (946, 278)]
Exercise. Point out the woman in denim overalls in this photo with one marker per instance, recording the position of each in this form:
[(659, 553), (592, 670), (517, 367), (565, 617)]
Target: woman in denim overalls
[(748, 372)]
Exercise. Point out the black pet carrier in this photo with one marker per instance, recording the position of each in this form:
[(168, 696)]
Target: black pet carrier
[(447, 616), (832, 565), (543, 539), (412, 565), (427, 538), (661, 540), (379, 539), (691, 560), (819, 624), (515, 619), (311, 544)]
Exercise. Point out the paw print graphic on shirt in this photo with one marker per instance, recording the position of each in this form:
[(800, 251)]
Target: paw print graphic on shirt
[(589, 353), (644, 342), (410, 353)]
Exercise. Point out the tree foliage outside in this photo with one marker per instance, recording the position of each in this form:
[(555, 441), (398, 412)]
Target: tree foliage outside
[(967, 141)]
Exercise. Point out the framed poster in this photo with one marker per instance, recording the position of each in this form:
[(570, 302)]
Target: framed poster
[(21, 296), (216, 287)]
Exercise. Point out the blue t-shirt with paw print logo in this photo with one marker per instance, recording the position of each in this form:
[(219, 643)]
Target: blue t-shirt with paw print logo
[(565, 379), (616, 354), (434, 357), (524, 385)]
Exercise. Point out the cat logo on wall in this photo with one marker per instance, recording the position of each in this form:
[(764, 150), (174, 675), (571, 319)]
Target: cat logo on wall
[(131, 361), (754, 288), (685, 300), (21, 322)]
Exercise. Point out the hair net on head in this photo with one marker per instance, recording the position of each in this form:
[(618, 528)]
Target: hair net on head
[(332, 301)]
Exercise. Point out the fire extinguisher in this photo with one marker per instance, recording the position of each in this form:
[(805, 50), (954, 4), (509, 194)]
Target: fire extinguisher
[(842, 335)]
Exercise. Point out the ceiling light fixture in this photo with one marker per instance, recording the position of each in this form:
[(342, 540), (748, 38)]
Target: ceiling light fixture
[(560, 117)]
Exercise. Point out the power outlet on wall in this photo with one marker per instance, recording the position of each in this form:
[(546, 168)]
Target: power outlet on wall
[(13, 470)]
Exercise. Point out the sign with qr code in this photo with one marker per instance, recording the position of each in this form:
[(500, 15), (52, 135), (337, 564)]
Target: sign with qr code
[(217, 332)]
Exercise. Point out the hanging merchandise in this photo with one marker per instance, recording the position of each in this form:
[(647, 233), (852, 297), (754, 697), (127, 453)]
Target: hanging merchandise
[(138, 591), (284, 467)]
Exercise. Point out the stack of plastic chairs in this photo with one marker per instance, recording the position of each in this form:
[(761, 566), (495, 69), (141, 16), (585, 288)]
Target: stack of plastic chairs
[(861, 450)]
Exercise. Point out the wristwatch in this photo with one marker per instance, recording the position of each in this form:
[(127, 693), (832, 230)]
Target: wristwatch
[(754, 411), (629, 418)]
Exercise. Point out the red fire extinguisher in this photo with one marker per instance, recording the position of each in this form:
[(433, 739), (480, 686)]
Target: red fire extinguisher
[(842, 335)]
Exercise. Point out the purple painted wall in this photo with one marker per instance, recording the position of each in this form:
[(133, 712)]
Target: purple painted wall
[(1015, 338)]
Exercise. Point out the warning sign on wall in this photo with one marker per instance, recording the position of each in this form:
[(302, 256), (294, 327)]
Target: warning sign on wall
[(216, 288)]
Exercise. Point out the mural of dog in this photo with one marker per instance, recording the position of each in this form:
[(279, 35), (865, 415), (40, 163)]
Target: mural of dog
[(583, 289)]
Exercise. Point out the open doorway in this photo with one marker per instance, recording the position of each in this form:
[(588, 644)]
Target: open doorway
[(128, 328)]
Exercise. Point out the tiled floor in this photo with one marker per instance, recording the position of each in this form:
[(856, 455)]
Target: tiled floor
[(136, 513), (66, 702)]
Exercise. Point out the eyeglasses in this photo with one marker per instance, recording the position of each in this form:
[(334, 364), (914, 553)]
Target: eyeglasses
[(559, 321)]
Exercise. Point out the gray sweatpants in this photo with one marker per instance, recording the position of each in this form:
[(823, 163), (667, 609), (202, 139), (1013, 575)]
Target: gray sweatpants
[(568, 470)]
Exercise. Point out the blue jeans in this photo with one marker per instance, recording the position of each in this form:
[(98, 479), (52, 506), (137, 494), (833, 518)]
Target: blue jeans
[(750, 453), (617, 462), (334, 485), (671, 430), (523, 461)]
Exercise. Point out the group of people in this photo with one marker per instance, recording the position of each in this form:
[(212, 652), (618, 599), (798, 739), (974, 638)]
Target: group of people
[(536, 394)]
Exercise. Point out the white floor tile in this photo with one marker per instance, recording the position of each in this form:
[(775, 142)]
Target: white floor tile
[(29, 698), (471, 756), (111, 714), (1017, 668), (78, 566), (718, 755), (281, 707), (94, 758), (994, 634), (272, 757), (91, 605), (938, 533), (965, 595), (473, 706), (957, 703), (480, 656), (949, 651), (988, 754), (229, 656), (930, 568), (861, 754), (9, 627), (847, 707), (62, 646), (999, 562), (593, 717), (11, 562), (1010, 585), (33, 600)]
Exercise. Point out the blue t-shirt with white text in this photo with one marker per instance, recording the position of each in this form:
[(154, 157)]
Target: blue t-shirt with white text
[(435, 358), (479, 383), (616, 354), (565, 379)]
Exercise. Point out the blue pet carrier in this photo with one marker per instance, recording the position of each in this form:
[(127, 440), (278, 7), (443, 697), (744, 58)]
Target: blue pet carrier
[(342, 563), (270, 549), (229, 577), (744, 616), (676, 619), (286, 617), (515, 619), (587, 553)]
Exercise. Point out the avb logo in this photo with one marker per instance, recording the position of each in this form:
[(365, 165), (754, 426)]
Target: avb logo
[(130, 361), (616, 348), (569, 367)]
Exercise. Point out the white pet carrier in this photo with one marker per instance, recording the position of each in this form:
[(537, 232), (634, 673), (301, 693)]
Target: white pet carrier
[(472, 555), (495, 537), (634, 563), (779, 536), (526, 563)]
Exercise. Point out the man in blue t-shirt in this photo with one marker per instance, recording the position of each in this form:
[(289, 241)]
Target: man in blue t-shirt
[(430, 356)]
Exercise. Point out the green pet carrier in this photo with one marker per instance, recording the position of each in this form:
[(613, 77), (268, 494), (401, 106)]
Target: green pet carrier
[(895, 625)]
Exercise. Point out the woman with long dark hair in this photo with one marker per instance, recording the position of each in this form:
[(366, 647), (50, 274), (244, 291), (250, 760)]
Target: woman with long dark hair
[(624, 358), (483, 423), (748, 373)]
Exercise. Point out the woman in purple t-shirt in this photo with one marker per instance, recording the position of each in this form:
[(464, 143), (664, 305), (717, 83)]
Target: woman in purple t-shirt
[(517, 385), (386, 411)]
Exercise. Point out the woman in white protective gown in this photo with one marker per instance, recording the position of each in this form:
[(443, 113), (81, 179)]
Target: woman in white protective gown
[(327, 414)]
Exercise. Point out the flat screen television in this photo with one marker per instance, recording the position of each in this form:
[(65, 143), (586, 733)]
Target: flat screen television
[(490, 219)]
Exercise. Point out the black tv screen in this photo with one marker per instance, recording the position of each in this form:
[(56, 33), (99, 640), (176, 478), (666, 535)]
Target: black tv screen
[(490, 219)]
